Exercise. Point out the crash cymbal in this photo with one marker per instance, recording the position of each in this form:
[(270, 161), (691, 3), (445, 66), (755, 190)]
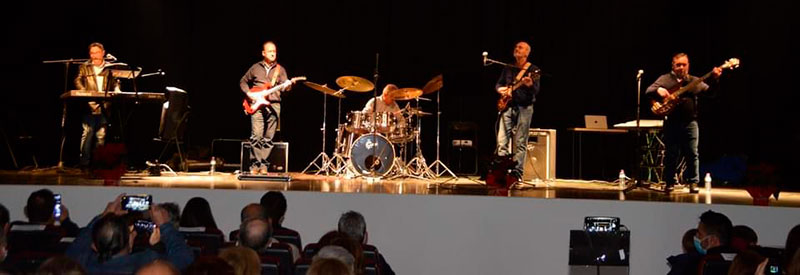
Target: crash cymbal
[(434, 85), (324, 89), (406, 93), (355, 84)]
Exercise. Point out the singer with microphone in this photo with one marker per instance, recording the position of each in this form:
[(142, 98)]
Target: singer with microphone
[(93, 77), (515, 120)]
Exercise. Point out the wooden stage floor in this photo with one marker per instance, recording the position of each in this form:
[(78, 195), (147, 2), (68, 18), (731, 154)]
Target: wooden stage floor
[(557, 189)]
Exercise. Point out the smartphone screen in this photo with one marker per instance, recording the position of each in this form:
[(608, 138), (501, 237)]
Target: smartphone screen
[(57, 207), (144, 226), (137, 202)]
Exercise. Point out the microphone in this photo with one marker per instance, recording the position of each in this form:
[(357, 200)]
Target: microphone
[(639, 75), (110, 57), (485, 57)]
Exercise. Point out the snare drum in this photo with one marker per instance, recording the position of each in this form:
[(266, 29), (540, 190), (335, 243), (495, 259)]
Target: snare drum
[(384, 122)]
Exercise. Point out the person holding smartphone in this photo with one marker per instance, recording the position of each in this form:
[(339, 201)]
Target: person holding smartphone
[(41, 210), (105, 245)]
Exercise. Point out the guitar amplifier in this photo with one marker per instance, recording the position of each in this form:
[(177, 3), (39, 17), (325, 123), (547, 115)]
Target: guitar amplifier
[(540, 160), (278, 157)]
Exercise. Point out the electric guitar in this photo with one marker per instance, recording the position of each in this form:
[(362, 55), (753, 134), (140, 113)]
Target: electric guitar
[(667, 105), (257, 96), (505, 98)]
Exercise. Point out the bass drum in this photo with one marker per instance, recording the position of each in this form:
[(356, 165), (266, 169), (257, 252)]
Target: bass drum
[(372, 153)]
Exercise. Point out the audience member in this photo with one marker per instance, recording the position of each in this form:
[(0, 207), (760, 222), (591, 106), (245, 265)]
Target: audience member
[(686, 262), (743, 237), (209, 265), (353, 224), (336, 238), (328, 267), (174, 212), (4, 218), (275, 205), (256, 234), (158, 267), (105, 244), (245, 261), (250, 211), (748, 262), (792, 245), (793, 265), (337, 253), (60, 265), (197, 213), (39, 210), (712, 239)]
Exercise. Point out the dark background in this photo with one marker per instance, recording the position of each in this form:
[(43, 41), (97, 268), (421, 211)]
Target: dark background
[(590, 52)]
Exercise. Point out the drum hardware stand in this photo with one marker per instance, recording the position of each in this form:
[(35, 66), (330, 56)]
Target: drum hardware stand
[(417, 165), (336, 163), (323, 158), (438, 164)]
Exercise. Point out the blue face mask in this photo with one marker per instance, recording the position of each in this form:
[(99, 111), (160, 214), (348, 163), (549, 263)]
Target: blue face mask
[(698, 245)]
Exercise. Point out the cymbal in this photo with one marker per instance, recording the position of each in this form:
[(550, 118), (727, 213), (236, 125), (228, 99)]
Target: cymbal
[(324, 89), (434, 85), (355, 83), (417, 112), (406, 93)]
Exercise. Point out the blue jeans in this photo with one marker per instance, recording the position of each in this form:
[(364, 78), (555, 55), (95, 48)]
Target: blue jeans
[(515, 123), (263, 125), (93, 135), (680, 140)]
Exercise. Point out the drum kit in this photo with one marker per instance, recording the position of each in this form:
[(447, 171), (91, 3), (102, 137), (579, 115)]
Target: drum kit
[(367, 143)]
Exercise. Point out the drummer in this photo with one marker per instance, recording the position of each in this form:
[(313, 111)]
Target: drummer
[(386, 102)]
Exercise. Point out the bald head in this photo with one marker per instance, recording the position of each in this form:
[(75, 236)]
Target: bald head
[(255, 234), (253, 211), (158, 267)]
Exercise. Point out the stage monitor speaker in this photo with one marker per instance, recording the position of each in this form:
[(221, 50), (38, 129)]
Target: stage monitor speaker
[(540, 160), (174, 114), (463, 144), (278, 158)]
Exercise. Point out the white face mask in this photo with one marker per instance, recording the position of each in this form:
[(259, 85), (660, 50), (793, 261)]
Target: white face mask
[(3, 253)]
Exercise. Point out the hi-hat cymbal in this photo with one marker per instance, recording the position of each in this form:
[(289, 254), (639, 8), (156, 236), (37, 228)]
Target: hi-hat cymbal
[(324, 89), (406, 93), (355, 83), (434, 85), (417, 112)]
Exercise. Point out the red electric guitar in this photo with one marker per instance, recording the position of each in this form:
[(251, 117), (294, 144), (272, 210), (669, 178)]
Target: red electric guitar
[(257, 96)]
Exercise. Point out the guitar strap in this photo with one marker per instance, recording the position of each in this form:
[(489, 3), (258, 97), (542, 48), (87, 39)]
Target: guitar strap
[(521, 73), (275, 73)]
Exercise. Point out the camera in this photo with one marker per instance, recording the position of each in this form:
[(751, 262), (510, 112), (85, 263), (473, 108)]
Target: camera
[(57, 207), (143, 226), (137, 203)]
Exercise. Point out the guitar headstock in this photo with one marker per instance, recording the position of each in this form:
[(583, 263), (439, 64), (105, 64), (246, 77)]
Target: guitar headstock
[(298, 78), (732, 63)]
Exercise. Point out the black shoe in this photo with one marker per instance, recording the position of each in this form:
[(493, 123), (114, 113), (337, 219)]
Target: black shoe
[(693, 188)]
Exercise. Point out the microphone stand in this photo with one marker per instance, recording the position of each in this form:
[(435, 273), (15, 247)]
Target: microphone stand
[(374, 112), (66, 63)]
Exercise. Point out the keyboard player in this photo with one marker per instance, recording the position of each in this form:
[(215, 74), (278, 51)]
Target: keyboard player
[(93, 77)]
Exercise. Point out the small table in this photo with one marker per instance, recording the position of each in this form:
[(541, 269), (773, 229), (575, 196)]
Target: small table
[(579, 132)]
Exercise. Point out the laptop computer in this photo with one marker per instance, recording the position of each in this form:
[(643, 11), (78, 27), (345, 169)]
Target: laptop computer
[(595, 122)]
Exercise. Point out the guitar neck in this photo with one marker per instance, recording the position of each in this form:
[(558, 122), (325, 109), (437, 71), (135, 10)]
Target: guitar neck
[(692, 84)]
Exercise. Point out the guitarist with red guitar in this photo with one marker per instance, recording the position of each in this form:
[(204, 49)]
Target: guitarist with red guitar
[(517, 86), (262, 85), (675, 95)]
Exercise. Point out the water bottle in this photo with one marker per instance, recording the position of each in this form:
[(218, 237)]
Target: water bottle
[(708, 182), (622, 178), (213, 165)]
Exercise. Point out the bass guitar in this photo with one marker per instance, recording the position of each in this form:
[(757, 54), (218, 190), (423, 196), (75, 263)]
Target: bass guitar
[(257, 96), (666, 105)]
